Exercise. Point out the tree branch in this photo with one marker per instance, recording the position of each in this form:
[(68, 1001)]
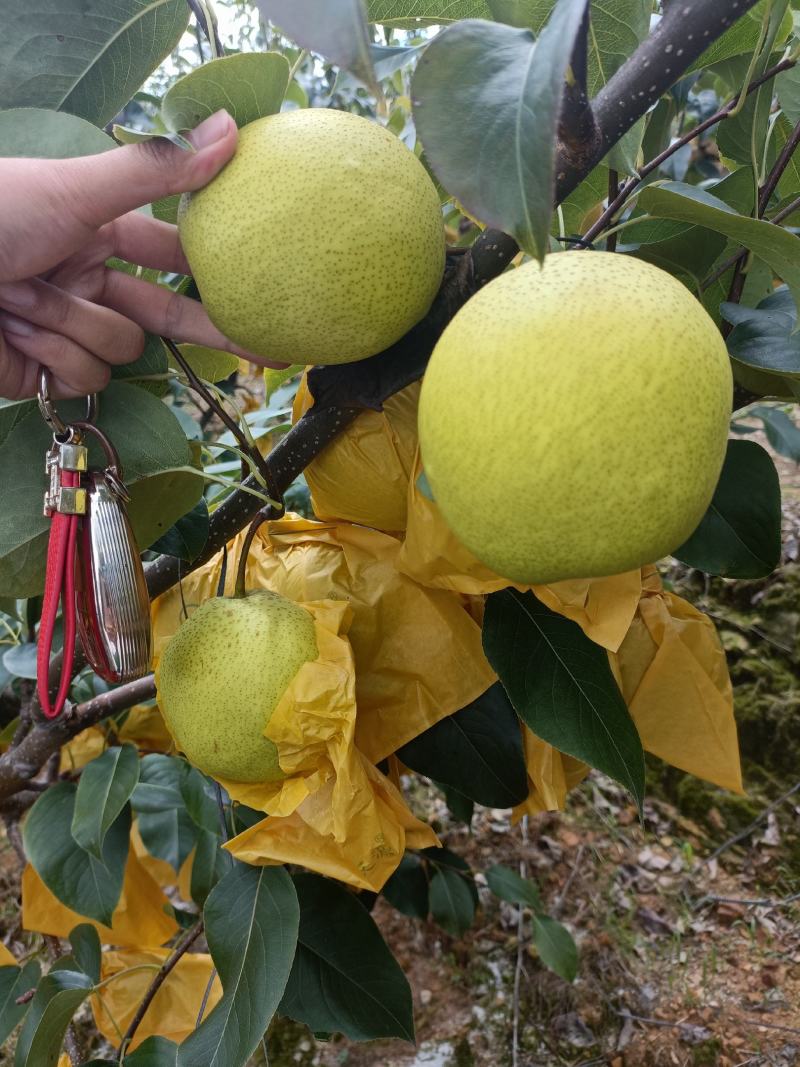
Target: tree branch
[(342, 392)]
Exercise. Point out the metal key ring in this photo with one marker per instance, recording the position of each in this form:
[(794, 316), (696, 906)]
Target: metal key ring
[(48, 408)]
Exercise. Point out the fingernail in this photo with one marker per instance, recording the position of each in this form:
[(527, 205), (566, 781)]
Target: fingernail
[(11, 324), (210, 131), (18, 294)]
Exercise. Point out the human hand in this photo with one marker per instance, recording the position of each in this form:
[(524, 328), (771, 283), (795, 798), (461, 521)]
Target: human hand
[(60, 221)]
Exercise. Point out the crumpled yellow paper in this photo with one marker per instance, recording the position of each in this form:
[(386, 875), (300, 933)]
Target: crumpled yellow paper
[(672, 671), (139, 919), (551, 775), (334, 812), (6, 958), (363, 475), (174, 1009), (433, 556), (418, 651), (143, 727)]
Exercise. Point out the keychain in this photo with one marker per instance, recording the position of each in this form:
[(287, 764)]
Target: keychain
[(93, 566)]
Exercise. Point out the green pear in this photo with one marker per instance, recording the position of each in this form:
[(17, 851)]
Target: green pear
[(222, 675), (573, 418), (322, 241)]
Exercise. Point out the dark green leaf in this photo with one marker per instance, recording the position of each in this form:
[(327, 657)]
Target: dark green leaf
[(557, 949), (510, 886), (160, 784), (72, 874), (407, 889), (687, 203), (187, 538), (104, 789), (443, 857), (477, 751), (154, 1052), (200, 800), (86, 59), (58, 996), (740, 39), (251, 922), (248, 86), (763, 337), (86, 950), (210, 863), (740, 534), (461, 807), (36, 132), (170, 835), (781, 431), (20, 660), (561, 684), (344, 978), (496, 152), (14, 982), (337, 30), (451, 902)]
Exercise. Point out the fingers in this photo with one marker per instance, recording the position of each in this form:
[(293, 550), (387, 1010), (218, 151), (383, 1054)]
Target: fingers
[(19, 374), (97, 329), (161, 311), (148, 243), (77, 369), (105, 186)]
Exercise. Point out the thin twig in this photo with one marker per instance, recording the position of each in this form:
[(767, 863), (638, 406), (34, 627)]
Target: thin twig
[(555, 911), (742, 834), (765, 902), (523, 873), (613, 192), (780, 165), (619, 200), (167, 966)]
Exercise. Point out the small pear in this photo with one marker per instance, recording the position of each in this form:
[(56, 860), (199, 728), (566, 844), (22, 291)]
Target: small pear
[(222, 675)]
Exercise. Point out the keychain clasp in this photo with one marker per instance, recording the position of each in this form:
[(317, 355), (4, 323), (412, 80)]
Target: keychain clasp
[(61, 430)]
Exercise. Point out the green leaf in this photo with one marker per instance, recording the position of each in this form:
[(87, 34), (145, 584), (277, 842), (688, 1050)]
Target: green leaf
[(151, 445), (72, 874), (496, 152), (104, 789), (251, 923), (406, 14), (741, 38), (152, 361), (510, 886), (187, 538), (160, 784), (87, 59), (561, 684), (461, 807), (344, 978), (14, 982), (248, 86), (58, 996), (210, 364), (210, 863), (86, 950), (781, 431), (20, 660), (789, 183), (478, 751), (556, 947), (740, 534), (274, 378), (787, 86), (36, 132), (169, 835), (337, 30), (763, 337), (451, 902), (407, 889), (201, 803), (591, 192), (153, 1052), (687, 203)]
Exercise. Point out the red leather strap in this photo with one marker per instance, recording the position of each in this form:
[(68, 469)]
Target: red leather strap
[(59, 586)]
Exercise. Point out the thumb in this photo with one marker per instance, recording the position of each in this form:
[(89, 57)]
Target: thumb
[(105, 186)]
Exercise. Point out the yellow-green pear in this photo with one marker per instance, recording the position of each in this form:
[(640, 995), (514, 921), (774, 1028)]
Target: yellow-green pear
[(573, 418), (322, 241), (222, 675)]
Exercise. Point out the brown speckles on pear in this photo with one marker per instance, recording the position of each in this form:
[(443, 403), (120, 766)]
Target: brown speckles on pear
[(222, 675), (322, 241)]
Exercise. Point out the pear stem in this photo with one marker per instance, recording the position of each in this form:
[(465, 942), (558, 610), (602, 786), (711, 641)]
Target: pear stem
[(263, 515)]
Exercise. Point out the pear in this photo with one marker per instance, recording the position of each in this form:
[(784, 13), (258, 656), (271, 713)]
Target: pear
[(222, 675), (321, 241), (573, 418)]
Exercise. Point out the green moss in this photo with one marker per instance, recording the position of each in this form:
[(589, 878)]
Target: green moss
[(707, 1053)]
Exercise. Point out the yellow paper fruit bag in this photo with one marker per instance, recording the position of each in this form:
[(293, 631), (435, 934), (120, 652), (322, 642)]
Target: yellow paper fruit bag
[(433, 556), (140, 918), (362, 476), (672, 672), (173, 1011)]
